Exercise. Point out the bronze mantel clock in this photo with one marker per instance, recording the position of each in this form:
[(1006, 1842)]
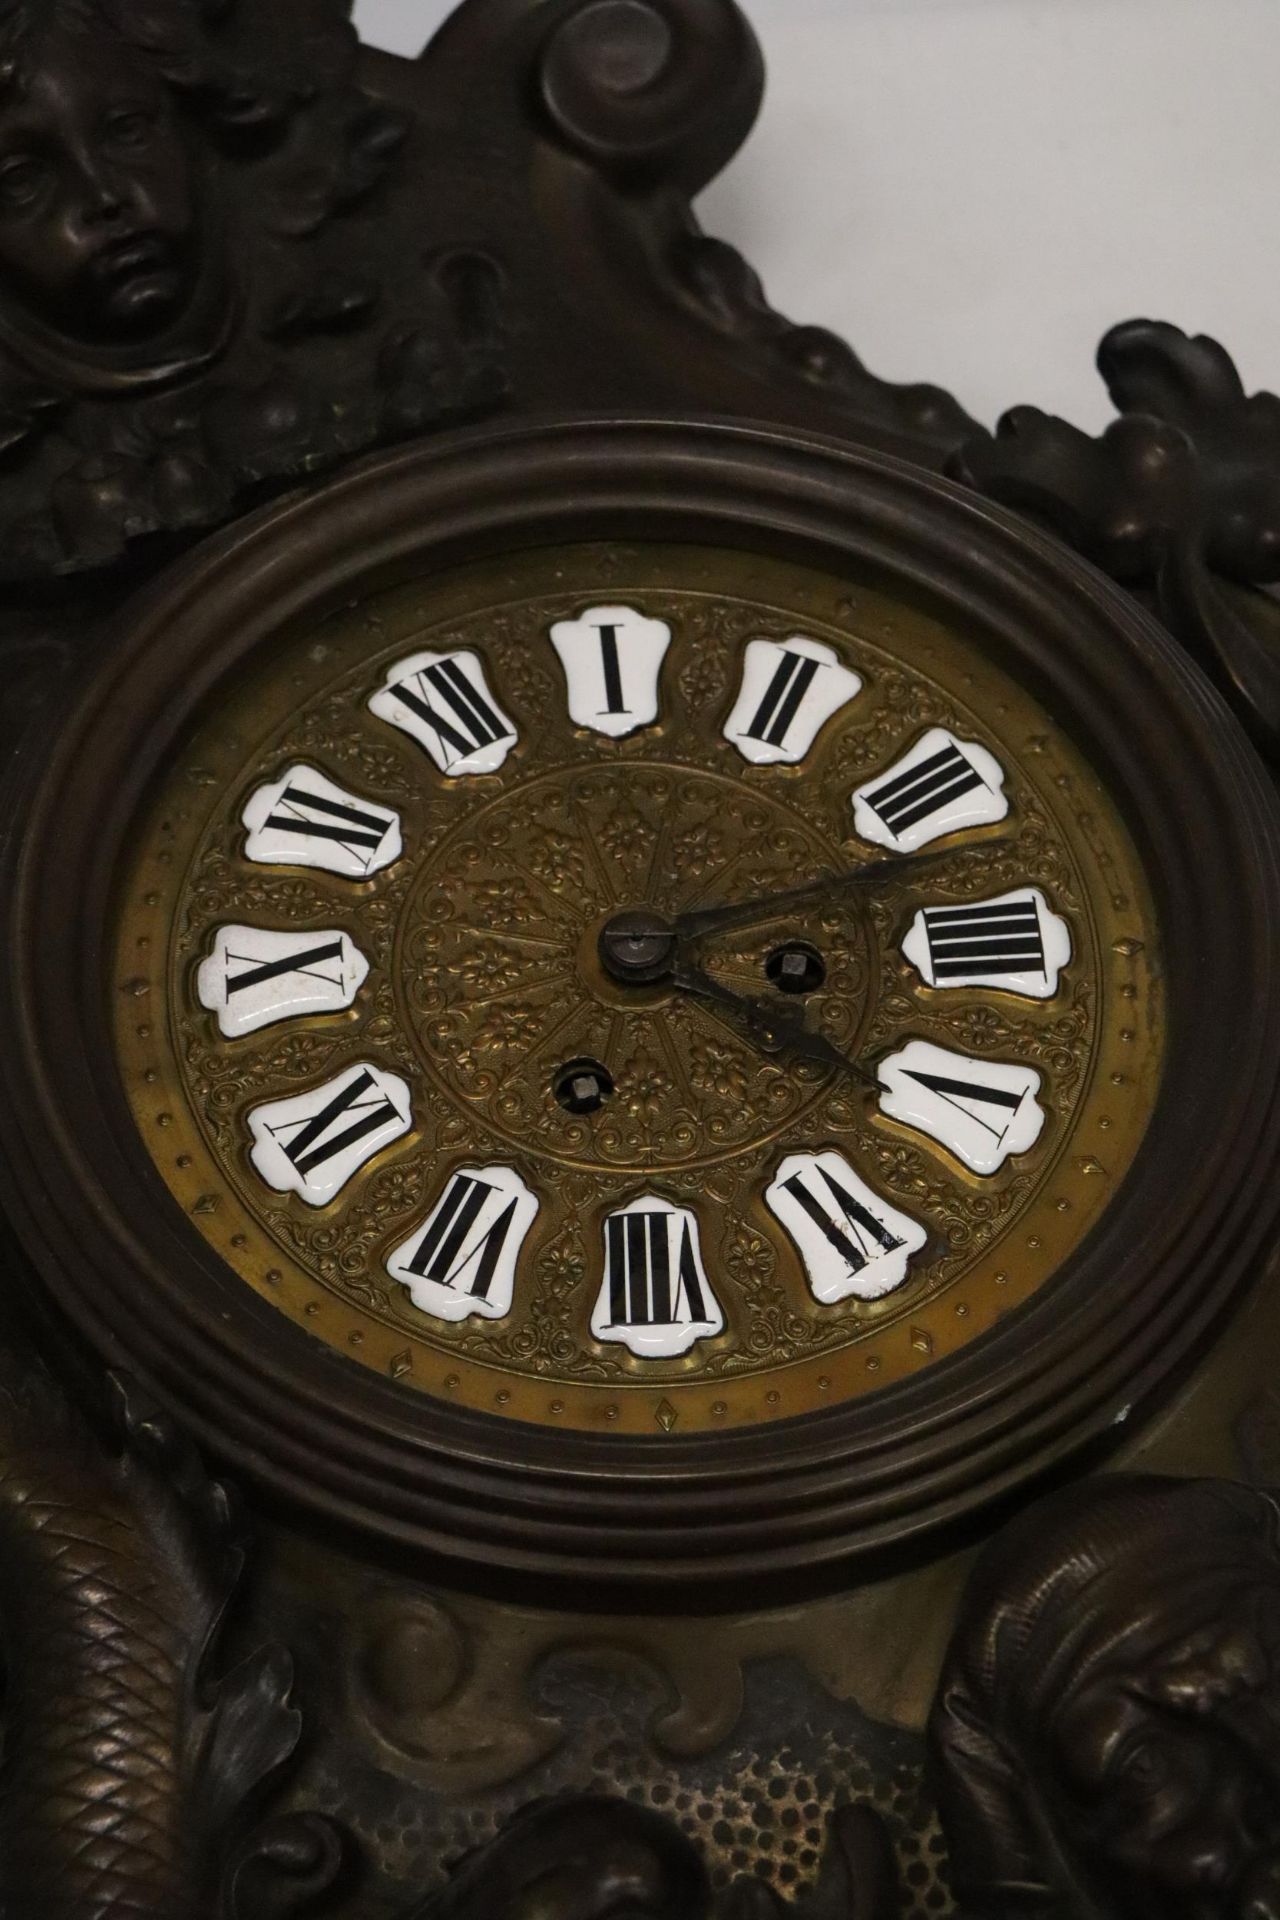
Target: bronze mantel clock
[(638, 999)]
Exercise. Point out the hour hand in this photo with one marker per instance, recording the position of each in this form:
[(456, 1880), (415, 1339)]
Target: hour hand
[(641, 949), (772, 1032)]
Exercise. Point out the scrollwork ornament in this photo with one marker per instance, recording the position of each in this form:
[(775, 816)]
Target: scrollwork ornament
[(1178, 499)]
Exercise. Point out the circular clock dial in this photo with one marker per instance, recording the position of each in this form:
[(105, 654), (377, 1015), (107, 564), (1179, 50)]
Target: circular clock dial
[(643, 1004), (638, 988)]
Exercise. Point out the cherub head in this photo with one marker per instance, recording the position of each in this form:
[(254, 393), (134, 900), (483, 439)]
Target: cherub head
[(99, 200), (1107, 1736)]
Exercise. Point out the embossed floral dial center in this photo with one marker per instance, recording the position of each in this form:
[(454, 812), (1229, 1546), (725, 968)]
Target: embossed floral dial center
[(501, 976)]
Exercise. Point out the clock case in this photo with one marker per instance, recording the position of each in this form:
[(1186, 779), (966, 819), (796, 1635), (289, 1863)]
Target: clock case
[(467, 304)]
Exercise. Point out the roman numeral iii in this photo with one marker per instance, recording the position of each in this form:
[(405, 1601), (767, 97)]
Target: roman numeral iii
[(313, 1144), (1015, 942), (442, 700), (942, 786), (304, 820), (612, 659), (853, 1244), (254, 977), (655, 1297), (789, 692), (462, 1262), (984, 1111)]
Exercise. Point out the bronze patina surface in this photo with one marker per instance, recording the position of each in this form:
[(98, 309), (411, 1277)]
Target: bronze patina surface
[(989, 1629)]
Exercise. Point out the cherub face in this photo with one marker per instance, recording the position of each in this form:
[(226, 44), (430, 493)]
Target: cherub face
[(97, 209), (1172, 1772)]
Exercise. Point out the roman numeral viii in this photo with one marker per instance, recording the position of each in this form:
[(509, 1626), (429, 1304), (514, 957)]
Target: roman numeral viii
[(463, 1261)]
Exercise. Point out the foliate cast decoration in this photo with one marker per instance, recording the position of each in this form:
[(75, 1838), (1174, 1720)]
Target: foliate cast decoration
[(261, 296), (1115, 1660), (596, 1851), (203, 325), (136, 1760), (1178, 499), (664, 91), (1102, 1741)]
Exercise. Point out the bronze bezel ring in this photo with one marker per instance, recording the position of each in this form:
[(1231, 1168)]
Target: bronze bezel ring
[(707, 1518)]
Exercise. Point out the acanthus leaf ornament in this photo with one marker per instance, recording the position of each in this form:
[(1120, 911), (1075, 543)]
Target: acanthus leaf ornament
[(1178, 499)]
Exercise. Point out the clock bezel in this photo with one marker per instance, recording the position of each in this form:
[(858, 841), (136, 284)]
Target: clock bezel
[(603, 1516)]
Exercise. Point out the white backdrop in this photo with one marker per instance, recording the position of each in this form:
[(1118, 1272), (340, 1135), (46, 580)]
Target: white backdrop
[(971, 191)]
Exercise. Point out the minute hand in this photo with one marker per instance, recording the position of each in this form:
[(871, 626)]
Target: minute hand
[(775, 906)]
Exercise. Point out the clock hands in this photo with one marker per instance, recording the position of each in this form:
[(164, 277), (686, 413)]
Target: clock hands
[(768, 1028), (774, 906), (643, 948)]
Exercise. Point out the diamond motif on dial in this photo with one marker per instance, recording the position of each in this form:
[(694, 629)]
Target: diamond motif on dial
[(789, 692), (854, 1245), (462, 1261), (305, 820), (313, 1144), (983, 1111), (1014, 942), (255, 977), (941, 786), (655, 1297), (442, 700), (612, 659)]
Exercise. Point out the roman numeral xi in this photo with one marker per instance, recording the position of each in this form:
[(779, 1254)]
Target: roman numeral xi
[(442, 700)]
